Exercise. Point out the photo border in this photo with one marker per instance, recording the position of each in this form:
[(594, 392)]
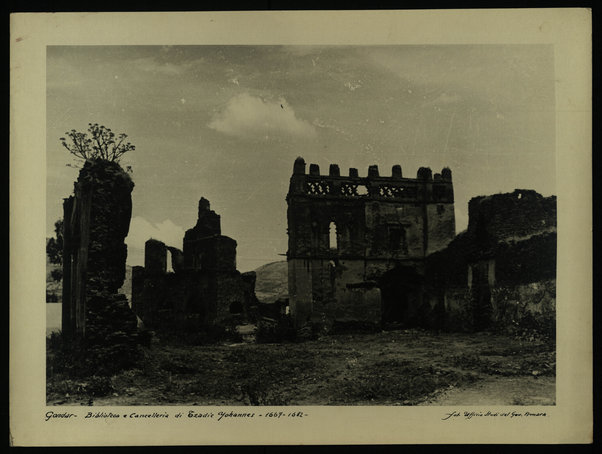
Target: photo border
[(569, 421)]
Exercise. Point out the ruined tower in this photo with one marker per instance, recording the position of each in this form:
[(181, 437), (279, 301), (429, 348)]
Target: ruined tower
[(345, 232), (204, 288), (205, 248)]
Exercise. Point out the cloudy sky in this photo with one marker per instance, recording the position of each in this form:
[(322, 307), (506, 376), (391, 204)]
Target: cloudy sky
[(227, 122)]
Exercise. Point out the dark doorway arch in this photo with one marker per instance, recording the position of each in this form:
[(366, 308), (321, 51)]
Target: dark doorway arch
[(401, 296), (481, 295), (236, 307), (194, 309)]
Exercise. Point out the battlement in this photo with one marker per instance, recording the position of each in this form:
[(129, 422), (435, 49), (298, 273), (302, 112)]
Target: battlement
[(425, 188), (346, 231)]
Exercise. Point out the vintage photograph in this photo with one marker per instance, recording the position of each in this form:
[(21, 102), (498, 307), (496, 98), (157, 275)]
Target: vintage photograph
[(284, 225)]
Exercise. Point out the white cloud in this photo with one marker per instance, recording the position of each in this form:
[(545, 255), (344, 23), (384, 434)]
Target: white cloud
[(142, 230), (246, 115)]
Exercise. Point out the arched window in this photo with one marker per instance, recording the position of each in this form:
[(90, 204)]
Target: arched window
[(332, 236), (169, 265)]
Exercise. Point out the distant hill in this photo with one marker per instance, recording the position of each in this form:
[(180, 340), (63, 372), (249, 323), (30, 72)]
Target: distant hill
[(272, 282)]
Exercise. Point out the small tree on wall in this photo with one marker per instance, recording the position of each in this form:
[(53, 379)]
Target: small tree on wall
[(98, 143)]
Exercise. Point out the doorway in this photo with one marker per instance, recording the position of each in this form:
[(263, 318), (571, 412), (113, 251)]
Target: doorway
[(401, 297)]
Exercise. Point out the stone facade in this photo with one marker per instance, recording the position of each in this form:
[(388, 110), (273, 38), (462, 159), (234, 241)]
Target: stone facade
[(347, 233), (501, 272), (204, 288)]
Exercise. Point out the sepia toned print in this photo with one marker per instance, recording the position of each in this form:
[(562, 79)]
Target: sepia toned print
[(401, 287), (295, 228)]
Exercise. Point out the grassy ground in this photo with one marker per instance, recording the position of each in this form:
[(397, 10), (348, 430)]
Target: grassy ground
[(389, 368)]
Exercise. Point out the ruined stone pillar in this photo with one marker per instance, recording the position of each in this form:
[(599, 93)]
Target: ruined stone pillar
[(155, 257), (97, 220)]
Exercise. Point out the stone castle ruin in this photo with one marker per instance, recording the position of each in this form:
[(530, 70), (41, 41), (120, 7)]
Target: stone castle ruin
[(500, 272), (376, 250), (204, 288), (382, 250), (351, 237)]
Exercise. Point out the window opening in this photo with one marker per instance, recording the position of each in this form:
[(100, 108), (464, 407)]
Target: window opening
[(332, 236), (169, 267), (362, 190), (397, 239)]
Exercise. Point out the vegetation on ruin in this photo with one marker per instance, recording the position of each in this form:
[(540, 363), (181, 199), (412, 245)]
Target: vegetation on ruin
[(54, 251), (98, 143)]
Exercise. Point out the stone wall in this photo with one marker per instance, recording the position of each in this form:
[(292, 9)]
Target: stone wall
[(528, 306), (501, 272), (346, 231), (96, 222), (510, 216), (204, 288)]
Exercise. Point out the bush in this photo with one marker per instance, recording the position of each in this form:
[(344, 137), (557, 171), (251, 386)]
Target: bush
[(99, 386), (89, 357), (532, 328), (57, 274), (51, 297), (279, 331), (65, 358)]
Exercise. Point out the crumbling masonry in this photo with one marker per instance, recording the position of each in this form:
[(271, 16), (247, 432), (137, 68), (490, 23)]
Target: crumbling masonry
[(96, 222), (500, 272), (204, 288), (381, 250), (351, 237)]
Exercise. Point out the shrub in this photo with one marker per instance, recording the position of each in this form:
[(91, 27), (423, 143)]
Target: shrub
[(89, 357), (51, 297), (99, 386), (57, 274), (279, 331)]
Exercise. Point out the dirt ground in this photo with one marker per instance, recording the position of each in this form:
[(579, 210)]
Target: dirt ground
[(408, 367)]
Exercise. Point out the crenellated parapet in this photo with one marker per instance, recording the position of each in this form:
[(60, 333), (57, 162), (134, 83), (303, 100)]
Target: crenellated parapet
[(346, 231), (425, 188)]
